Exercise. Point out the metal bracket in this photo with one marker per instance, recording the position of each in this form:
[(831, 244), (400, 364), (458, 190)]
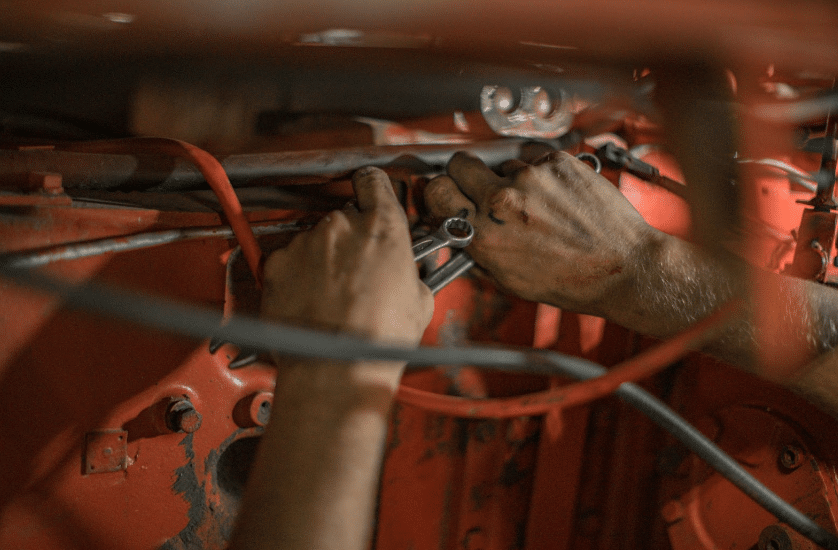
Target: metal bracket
[(105, 451)]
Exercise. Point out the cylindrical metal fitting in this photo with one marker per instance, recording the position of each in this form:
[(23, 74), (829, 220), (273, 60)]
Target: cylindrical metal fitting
[(181, 416)]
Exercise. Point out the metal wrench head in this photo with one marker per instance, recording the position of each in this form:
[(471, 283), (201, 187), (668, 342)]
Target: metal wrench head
[(460, 225), (444, 238)]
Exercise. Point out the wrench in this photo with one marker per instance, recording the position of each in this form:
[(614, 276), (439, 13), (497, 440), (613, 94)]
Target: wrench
[(443, 238)]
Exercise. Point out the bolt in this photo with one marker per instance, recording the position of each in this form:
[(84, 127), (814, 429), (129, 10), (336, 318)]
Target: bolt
[(260, 408), (181, 416), (504, 100), (775, 537), (264, 413), (543, 103), (254, 410), (791, 458)]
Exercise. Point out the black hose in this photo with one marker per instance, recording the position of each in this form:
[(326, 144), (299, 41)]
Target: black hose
[(253, 333)]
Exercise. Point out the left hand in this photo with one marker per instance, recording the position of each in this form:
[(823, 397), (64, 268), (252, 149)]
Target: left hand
[(354, 272)]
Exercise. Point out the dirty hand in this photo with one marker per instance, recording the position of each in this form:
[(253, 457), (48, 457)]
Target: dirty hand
[(354, 272), (553, 232)]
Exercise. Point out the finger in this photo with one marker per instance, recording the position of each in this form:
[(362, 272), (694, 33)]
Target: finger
[(351, 207), (560, 162), (443, 199), (552, 157), (427, 299), (373, 190), (511, 167), (474, 178)]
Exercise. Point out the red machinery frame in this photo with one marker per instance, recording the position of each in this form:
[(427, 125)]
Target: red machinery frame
[(81, 395)]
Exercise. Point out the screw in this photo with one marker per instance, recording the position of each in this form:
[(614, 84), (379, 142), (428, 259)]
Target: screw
[(791, 458), (181, 416)]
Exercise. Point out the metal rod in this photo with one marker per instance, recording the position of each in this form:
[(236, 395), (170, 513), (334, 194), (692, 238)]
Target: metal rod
[(87, 249), (110, 171)]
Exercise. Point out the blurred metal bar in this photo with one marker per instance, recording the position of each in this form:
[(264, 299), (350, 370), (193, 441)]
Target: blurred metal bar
[(104, 171), (98, 247)]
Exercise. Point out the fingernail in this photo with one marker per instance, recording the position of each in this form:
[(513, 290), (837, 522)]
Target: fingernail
[(365, 171)]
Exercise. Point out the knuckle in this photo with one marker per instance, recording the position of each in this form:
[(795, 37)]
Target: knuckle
[(524, 173), (562, 164), (331, 225), (437, 191), (507, 198), (383, 221)]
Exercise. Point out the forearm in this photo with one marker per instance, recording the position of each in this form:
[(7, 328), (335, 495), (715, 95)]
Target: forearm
[(314, 482), (785, 331)]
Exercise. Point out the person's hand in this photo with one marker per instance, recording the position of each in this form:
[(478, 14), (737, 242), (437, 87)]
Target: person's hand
[(354, 272), (314, 481), (554, 232)]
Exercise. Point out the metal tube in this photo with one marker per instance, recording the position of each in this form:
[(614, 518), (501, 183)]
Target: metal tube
[(87, 249)]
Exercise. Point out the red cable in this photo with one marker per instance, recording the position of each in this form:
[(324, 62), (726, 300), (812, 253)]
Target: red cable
[(641, 366), (212, 171)]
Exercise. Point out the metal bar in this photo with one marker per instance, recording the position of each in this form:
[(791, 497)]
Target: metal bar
[(447, 272), (109, 171), (87, 249)]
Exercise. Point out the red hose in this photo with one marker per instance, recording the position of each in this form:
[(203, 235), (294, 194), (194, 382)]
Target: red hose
[(641, 366), (209, 167)]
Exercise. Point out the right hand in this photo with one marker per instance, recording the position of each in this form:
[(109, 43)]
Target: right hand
[(554, 232)]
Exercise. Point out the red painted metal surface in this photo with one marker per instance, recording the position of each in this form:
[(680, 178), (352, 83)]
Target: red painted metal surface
[(577, 477), (595, 475)]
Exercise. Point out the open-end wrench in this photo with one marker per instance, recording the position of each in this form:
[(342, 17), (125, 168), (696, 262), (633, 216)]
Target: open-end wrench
[(444, 238)]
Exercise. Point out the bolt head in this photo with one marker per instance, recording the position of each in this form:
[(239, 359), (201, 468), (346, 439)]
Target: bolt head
[(504, 100), (182, 416), (791, 457), (775, 537)]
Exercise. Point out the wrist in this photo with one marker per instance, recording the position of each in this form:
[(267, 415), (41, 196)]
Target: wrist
[(637, 271), (656, 295), (340, 385)]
